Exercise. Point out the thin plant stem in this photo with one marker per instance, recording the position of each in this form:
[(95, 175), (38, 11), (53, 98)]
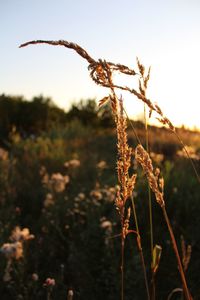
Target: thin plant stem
[(177, 290), (48, 295), (180, 267), (132, 127), (150, 206), (122, 266), (149, 189), (140, 247)]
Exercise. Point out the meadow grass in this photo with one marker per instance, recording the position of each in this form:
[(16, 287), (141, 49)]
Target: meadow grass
[(101, 72)]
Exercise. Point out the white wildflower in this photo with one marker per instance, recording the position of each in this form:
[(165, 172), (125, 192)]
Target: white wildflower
[(73, 163)]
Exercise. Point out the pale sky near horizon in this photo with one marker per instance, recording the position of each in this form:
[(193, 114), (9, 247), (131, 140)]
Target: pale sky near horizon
[(163, 34)]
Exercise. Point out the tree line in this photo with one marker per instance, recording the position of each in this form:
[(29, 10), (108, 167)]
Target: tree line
[(41, 114)]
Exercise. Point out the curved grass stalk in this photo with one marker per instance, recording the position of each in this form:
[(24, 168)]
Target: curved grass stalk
[(180, 267), (101, 72), (177, 290), (157, 186)]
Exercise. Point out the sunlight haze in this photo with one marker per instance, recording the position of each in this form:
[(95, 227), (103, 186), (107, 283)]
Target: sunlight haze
[(163, 34)]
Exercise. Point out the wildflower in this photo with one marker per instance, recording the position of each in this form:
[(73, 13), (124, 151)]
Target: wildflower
[(97, 195), (106, 225), (42, 171), (102, 165), (112, 194), (58, 182), (80, 196), (189, 150), (45, 178), (35, 277), (70, 294), (12, 250), (49, 282), (73, 163), (21, 235), (3, 154), (17, 210), (48, 200), (157, 157)]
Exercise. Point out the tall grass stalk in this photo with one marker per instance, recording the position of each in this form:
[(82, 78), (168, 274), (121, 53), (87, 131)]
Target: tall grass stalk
[(150, 210), (157, 186), (101, 72), (140, 247), (143, 82), (181, 271)]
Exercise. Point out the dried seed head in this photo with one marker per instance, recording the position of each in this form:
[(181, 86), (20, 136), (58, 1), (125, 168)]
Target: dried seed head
[(157, 251), (140, 67), (186, 253), (142, 156)]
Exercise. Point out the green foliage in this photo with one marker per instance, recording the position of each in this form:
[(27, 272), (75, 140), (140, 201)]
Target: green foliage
[(41, 114), (70, 210)]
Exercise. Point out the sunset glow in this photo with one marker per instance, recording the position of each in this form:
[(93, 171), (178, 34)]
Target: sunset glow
[(165, 36)]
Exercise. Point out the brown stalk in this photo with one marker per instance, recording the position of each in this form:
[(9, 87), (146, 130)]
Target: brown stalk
[(139, 244), (143, 82), (157, 187), (100, 72), (180, 267)]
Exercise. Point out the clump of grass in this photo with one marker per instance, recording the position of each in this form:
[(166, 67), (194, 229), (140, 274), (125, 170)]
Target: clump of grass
[(101, 73)]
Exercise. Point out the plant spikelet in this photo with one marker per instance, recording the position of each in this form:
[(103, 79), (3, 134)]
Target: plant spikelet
[(143, 158)]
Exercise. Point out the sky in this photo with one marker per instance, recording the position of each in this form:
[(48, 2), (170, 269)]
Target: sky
[(163, 34)]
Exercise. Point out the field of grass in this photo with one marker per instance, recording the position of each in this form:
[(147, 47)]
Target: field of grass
[(62, 187), (100, 212)]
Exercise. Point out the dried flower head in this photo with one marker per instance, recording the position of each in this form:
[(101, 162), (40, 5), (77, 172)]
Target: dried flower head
[(96, 194), (102, 165), (12, 250), (186, 253), (73, 163), (35, 277), (58, 182), (19, 234), (3, 154), (49, 200), (105, 224), (70, 294)]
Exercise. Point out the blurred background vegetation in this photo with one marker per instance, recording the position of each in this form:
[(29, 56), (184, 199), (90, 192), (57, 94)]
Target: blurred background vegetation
[(58, 179)]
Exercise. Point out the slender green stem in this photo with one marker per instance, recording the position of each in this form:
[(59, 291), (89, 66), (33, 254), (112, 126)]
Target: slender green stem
[(180, 267), (140, 248)]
